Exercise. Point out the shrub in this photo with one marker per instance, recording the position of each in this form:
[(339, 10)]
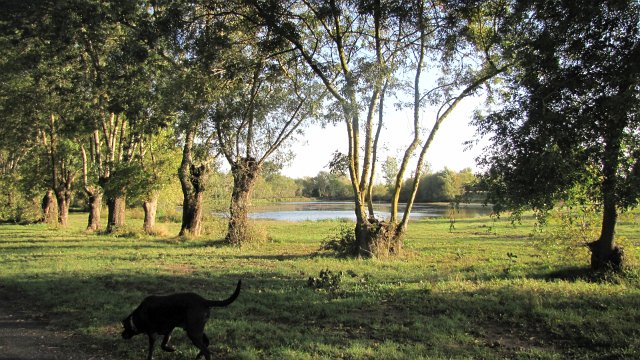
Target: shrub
[(327, 280), (569, 230), (342, 241)]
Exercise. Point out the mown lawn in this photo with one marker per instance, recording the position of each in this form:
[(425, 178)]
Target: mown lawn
[(480, 291)]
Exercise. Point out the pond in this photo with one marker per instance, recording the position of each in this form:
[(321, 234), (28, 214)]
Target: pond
[(324, 210)]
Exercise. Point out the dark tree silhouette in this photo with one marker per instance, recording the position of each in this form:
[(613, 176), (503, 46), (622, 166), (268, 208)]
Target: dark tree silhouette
[(570, 115)]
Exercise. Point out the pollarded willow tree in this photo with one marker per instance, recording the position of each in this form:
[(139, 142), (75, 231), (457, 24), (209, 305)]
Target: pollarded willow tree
[(191, 36), (124, 77), (269, 98), (360, 50), (237, 92), (569, 115), (79, 69), (194, 39), (352, 48)]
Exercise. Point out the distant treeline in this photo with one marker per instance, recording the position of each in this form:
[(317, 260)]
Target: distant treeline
[(444, 185)]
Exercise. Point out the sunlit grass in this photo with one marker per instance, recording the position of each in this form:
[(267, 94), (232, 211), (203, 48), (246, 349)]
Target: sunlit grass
[(478, 290)]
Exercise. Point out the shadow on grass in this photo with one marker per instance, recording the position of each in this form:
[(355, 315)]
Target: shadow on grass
[(277, 314), (572, 274), (586, 274)]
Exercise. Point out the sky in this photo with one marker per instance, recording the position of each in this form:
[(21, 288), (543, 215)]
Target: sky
[(313, 153)]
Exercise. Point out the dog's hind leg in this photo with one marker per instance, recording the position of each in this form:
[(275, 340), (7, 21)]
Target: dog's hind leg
[(205, 340), (201, 341), (165, 343)]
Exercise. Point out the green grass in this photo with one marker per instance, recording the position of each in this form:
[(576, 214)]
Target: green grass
[(480, 291)]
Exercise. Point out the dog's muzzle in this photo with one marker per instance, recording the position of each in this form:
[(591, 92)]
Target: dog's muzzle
[(129, 328)]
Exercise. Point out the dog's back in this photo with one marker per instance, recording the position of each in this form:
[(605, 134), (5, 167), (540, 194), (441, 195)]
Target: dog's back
[(161, 314)]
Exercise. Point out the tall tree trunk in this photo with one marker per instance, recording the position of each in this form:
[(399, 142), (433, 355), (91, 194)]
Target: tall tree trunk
[(363, 238), (192, 212), (95, 207), (604, 253), (245, 172), (94, 193), (64, 201), (193, 180), (150, 206), (50, 208), (116, 216)]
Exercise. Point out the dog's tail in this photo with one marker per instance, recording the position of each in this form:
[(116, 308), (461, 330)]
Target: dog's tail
[(229, 300)]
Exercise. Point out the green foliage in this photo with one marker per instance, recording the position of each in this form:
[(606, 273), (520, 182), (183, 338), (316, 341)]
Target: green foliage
[(390, 171), (276, 187), (15, 205), (19, 203), (156, 167), (125, 178), (568, 112), (567, 230), (218, 192), (442, 186), (339, 164), (327, 185)]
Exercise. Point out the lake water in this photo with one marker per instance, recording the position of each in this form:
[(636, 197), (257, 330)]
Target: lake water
[(324, 210)]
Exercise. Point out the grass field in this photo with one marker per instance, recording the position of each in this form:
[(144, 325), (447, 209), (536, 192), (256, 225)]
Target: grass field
[(480, 291)]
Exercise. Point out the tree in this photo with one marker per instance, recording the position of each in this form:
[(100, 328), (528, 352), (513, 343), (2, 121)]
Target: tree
[(268, 98), (158, 163), (463, 38), (23, 159), (190, 38), (390, 171), (193, 173), (124, 76), (93, 192), (569, 114), (359, 50), (82, 75), (44, 90)]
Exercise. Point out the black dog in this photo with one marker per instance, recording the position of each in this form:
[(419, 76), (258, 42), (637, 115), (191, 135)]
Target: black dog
[(159, 315)]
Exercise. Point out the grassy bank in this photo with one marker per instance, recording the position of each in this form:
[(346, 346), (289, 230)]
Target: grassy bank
[(480, 291)]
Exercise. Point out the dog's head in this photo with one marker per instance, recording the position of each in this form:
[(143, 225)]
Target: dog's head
[(130, 328)]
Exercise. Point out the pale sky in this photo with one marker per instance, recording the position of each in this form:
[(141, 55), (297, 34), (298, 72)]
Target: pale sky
[(314, 152)]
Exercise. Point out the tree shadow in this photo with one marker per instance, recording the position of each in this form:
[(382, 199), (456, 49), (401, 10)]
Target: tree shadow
[(278, 311), (587, 274), (572, 274)]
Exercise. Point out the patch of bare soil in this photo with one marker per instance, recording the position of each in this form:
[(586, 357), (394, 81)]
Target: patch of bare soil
[(28, 336), (509, 342)]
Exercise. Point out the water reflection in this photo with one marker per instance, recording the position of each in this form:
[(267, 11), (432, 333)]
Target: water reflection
[(323, 210)]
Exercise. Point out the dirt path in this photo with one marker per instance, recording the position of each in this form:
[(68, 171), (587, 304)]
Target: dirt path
[(26, 336)]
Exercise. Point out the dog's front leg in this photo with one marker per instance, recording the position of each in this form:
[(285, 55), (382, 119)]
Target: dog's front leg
[(152, 341), (165, 343)]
